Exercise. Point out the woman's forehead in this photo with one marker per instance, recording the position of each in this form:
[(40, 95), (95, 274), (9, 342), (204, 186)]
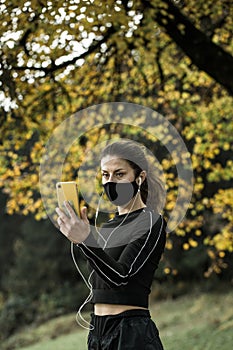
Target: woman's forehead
[(114, 162)]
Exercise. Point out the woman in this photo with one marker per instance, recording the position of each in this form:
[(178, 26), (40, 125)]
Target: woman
[(125, 253)]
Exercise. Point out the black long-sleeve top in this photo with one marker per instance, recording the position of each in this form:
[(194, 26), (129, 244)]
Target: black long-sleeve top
[(125, 265)]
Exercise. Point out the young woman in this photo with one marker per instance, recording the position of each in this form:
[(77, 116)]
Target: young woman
[(124, 254)]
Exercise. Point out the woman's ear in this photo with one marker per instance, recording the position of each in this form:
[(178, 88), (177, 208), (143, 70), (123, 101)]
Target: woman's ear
[(142, 177)]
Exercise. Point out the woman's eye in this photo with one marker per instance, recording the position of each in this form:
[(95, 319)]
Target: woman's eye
[(119, 174), (105, 175)]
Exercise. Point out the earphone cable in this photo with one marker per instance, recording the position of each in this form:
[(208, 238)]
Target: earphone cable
[(88, 282)]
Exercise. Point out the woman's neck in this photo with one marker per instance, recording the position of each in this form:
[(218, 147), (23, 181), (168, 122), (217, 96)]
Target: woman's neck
[(138, 204)]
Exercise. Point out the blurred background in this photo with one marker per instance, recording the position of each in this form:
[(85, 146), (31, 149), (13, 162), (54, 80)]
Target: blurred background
[(59, 58)]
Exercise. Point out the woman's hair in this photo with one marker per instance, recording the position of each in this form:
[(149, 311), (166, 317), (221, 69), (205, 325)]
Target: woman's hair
[(152, 189)]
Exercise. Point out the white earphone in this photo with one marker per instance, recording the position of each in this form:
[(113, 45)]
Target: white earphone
[(140, 181)]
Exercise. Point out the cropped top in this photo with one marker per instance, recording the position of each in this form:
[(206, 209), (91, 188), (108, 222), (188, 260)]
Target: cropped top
[(123, 257)]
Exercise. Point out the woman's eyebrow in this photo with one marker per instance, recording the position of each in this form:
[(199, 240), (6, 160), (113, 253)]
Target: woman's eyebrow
[(118, 170), (115, 171)]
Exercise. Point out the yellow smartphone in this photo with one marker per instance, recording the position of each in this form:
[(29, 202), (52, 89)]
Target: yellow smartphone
[(68, 191)]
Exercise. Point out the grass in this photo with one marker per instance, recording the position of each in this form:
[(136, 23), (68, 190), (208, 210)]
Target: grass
[(192, 322), (196, 322)]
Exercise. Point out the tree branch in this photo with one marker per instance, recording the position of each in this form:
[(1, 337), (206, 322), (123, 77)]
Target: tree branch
[(204, 53)]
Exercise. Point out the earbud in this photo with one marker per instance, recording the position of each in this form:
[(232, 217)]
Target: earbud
[(140, 181)]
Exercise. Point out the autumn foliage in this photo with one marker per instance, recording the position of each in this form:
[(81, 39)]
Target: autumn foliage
[(175, 57)]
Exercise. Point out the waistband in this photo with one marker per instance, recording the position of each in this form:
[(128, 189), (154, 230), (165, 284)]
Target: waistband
[(106, 324)]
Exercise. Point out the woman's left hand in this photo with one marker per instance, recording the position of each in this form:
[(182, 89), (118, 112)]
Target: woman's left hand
[(74, 228)]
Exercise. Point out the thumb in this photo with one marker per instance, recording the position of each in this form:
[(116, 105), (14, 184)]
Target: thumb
[(84, 215)]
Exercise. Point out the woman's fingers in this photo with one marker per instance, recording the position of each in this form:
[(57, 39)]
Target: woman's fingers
[(61, 214), (84, 215), (74, 228), (70, 210), (62, 219), (59, 221)]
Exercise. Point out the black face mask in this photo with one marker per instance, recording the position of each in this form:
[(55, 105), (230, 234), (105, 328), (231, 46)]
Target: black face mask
[(120, 193)]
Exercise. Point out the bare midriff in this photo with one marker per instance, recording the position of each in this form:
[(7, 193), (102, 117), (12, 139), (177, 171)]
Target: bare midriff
[(113, 309)]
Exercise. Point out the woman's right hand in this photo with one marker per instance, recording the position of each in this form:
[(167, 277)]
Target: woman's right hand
[(74, 228)]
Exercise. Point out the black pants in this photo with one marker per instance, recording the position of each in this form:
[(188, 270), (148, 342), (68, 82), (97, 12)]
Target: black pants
[(129, 330)]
